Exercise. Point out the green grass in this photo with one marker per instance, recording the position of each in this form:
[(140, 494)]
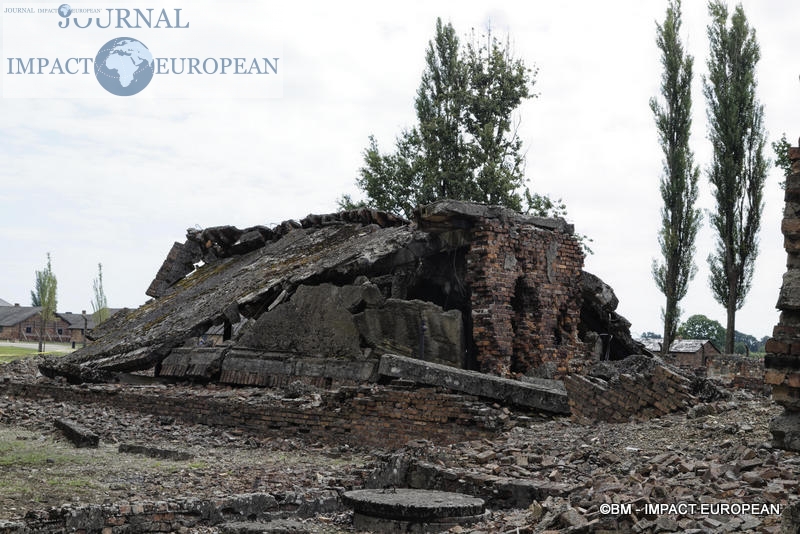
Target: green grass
[(30, 454), (10, 353)]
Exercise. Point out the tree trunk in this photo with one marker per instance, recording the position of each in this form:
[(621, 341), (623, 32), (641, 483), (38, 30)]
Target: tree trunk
[(666, 339), (731, 328), (670, 307), (41, 335)]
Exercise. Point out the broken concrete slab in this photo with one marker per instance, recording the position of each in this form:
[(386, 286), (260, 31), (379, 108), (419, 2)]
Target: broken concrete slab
[(598, 315), (247, 367), (79, 435), (179, 262), (446, 211), (314, 322), (144, 337), (415, 328), (193, 363), (549, 396)]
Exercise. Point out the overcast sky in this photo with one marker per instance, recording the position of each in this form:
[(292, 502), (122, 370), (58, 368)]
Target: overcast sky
[(118, 180)]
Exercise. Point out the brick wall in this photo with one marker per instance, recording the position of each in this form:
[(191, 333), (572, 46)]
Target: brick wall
[(173, 515), (782, 362), (368, 416), (639, 395), (733, 365), (526, 298)]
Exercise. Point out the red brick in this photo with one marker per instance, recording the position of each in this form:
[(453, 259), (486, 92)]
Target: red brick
[(777, 347)]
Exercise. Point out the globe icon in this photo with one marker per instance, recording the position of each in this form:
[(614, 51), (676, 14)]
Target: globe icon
[(64, 10), (123, 66)]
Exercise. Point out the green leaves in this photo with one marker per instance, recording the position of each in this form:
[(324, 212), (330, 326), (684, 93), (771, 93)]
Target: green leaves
[(464, 145), (738, 169), (44, 295), (701, 327), (680, 220), (781, 149)]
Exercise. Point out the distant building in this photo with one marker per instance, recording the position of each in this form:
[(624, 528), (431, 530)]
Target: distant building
[(687, 352), (693, 352), (652, 344), (22, 323)]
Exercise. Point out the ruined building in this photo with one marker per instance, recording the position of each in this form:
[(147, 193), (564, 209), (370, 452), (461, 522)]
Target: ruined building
[(469, 286), (782, 362)]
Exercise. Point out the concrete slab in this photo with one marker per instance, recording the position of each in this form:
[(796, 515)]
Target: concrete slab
[(545, 395)]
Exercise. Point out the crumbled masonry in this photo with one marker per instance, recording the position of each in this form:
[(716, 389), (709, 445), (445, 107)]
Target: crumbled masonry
[(782, 362), (443, 352), (466, 286)]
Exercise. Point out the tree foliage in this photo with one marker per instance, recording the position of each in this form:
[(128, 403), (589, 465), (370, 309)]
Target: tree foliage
[(781, 149), (44, 295), (701, 327), (465, 145), (99, 302), (739, 168), (680, 219)]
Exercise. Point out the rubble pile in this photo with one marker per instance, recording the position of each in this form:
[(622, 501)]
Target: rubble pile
[(557, 474), (638, 387), (544, 474)]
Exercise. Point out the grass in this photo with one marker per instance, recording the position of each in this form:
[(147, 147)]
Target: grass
[(37, 470), (9, 353), (28, 452)]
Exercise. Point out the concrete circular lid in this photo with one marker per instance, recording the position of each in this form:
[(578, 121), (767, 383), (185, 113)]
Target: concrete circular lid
[(412, 504)]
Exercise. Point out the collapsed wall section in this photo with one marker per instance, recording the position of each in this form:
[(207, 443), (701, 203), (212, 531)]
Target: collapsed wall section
[(370, 416), (782, 362), (525, 296), (524, 275)]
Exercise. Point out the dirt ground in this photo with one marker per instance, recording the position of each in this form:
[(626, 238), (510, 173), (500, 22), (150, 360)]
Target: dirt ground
[(716, 453)]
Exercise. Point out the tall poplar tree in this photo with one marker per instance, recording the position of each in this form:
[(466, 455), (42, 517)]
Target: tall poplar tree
[(680, 219), (738, 168)]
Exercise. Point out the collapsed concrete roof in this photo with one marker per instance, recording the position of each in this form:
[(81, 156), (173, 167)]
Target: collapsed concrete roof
[(466, 285), (243, 277)]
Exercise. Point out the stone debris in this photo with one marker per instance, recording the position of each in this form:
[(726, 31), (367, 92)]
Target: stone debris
[(155, 452), (638, 387), (543, 474), (723, 456), (79, 435)]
